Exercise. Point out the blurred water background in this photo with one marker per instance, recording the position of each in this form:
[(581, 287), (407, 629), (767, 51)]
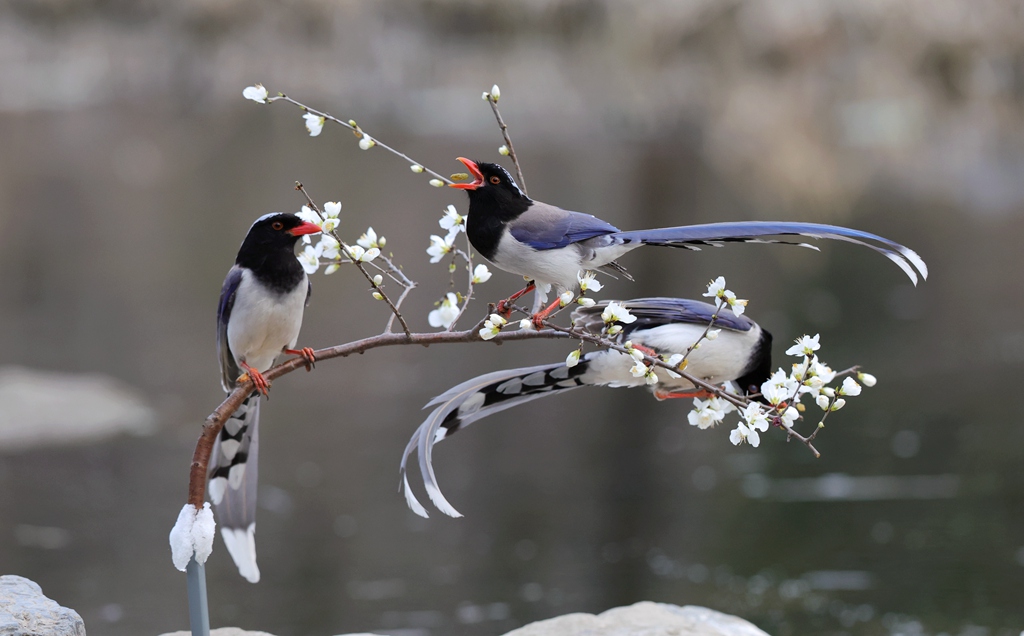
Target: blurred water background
[(132, 167)]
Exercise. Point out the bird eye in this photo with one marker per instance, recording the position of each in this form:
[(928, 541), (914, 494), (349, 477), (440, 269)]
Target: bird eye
[(277, 225), (495, 180)]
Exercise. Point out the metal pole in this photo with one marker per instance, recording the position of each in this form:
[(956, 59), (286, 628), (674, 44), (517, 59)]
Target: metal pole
[(198, 606)]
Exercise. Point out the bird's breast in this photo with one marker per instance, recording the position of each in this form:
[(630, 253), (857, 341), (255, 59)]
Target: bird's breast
[(263, 322)]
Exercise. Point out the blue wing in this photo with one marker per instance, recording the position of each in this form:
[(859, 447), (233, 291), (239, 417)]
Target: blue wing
[(546, 227), (229, 370), (693, 236)]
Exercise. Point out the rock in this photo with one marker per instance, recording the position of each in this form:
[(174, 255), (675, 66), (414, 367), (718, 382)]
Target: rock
[(44, 407), (25, 611), (237, 631), (643, 619)]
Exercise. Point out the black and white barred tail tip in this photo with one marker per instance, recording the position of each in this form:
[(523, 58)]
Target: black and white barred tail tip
[(470, 401), (232, 484), (715, 234)]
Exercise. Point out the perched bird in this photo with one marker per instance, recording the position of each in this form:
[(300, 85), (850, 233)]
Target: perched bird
[(550, 246), (258, 319), (664, 326)]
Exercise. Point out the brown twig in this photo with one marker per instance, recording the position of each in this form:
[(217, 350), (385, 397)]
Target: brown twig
[(508, 142), (215, 421), (394, 309), (359, 131)]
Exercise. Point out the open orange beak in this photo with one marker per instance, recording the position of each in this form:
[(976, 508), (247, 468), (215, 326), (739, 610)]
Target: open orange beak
[(478, 177), (305, 228)]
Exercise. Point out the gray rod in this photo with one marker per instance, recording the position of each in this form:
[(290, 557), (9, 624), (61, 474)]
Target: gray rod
[(198, 606)]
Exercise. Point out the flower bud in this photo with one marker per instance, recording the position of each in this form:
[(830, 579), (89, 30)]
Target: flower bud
[(586, 302), (867, 379), (829, 391), (822, 402), (417, 168), (565, 298), (330, 269), (573, 358), (503, 151), (377, 295), (378, 279), (437, 183), (495, 92), (840, 403), (527, 325), (713, 333), (614, 330)]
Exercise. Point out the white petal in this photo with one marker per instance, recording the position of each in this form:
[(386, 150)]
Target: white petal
[(256, 93)]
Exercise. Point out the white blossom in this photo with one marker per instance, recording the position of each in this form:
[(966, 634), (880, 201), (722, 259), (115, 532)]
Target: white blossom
[(822, 401), (481, 274), (453, 222), (330, 269), (615, 312), (588, 281), (805, 346), (850, 387), (674, 361), (755, 417), (492, 326), (573, 358), (565, 298), (738, 305), (330, 248), (742, 433), (417, 168), (445, 313), (309, 258), (314, 124), (369, 239), (256, 93), (437, 183), (840, 403), (779, 388), (332, 209), (638, 370), (360, 255), (789, 417), (705, 413), (439, 247), (366, 142), (715, 288)]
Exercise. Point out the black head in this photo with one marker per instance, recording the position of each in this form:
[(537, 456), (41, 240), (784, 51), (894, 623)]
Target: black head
[(271, 239), (493, 190)]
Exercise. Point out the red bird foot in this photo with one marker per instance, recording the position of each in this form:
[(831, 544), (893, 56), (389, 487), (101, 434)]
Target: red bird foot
[(504, 307), (307, 354), (258, 381)]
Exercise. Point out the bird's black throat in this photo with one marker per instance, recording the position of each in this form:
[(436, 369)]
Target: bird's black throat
[(491, 208), (278, 270)]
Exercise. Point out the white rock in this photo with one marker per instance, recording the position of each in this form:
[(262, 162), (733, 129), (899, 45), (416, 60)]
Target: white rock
[(25, 610), (643, 619), (40, 408)]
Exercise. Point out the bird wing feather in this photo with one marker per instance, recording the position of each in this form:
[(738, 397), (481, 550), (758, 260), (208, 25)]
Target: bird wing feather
[(658, 311), (229, 370), (547, 227)]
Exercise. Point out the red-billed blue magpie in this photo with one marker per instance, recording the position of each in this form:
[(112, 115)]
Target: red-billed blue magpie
[(550, 246), (258, 319), (741, 354)]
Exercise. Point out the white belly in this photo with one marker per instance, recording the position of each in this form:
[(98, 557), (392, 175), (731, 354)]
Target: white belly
[(557, 267), (262, 323)]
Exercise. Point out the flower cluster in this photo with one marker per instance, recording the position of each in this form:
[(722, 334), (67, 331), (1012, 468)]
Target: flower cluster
[(492, 326), (717, 290)]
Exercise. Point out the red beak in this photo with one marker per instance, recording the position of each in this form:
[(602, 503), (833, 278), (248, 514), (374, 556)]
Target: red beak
[(478, 177), (305, 228)]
